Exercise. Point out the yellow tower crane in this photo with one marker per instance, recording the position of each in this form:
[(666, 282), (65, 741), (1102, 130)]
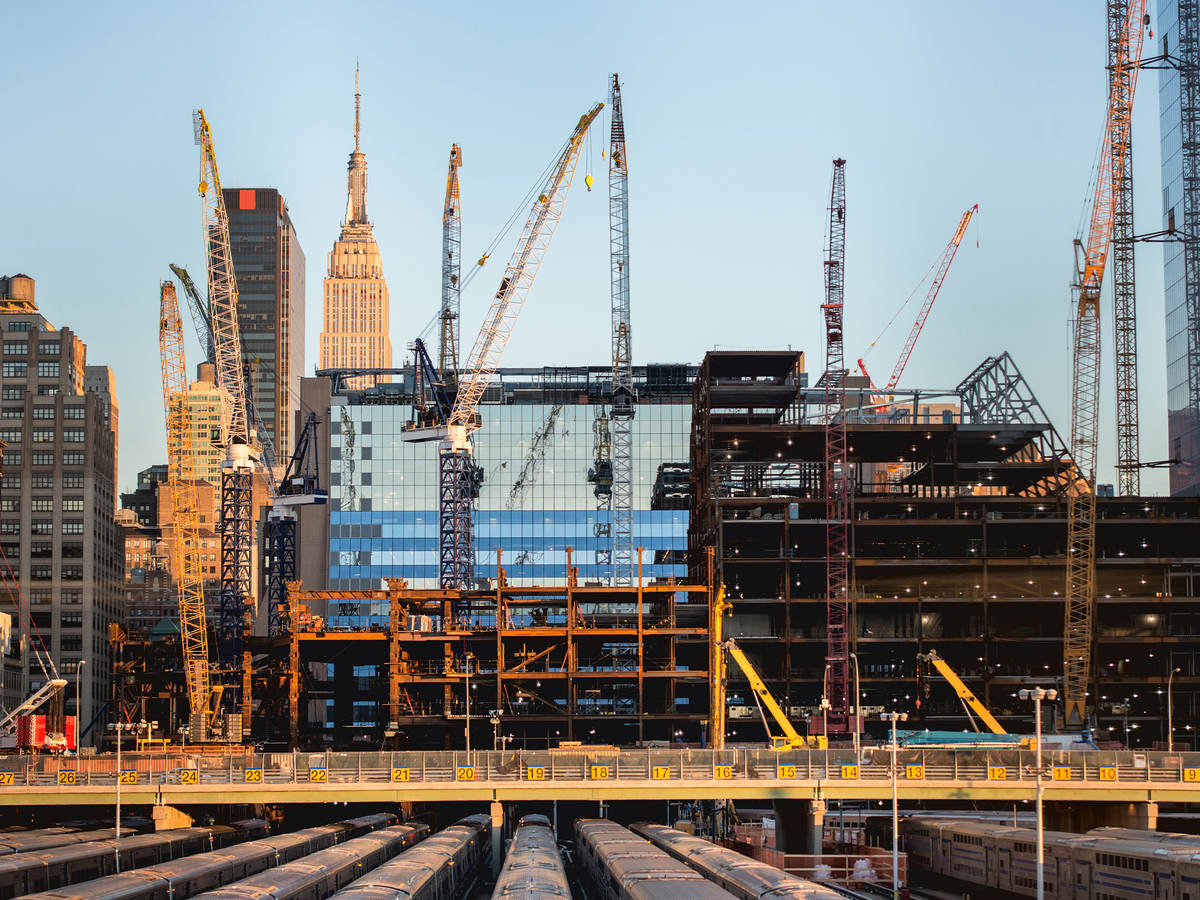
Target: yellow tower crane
[(185, 513)]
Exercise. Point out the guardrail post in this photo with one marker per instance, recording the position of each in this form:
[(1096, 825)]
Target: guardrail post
[(228, 772)]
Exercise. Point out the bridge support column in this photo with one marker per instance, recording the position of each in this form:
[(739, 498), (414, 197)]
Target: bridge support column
[(497, 811), (167, 817), (1080, 815), (800, 826)]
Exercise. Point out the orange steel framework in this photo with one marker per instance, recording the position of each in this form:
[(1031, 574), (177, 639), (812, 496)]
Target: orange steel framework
[(185, 509), (842, 714), (1081, 512)]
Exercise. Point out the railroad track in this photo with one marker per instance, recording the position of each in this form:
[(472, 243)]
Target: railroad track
[(875, 891)]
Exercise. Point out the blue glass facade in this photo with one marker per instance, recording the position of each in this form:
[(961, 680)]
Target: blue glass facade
[(536, 447), (1182, 434)]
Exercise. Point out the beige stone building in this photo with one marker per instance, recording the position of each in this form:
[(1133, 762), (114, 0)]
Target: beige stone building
[(207, 405), (356, 331)]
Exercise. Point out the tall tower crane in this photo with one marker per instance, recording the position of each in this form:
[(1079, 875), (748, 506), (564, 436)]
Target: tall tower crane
[(241, 453), (451, 270), (943, 268), (185, 513), (1085, 387), (842, 707), (453, 425), (624, 398)]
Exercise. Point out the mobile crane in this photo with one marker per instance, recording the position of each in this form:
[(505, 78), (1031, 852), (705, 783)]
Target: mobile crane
[(970, 702), (790, 737)]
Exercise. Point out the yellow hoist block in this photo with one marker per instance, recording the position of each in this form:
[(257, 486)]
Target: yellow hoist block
[(589, 181)]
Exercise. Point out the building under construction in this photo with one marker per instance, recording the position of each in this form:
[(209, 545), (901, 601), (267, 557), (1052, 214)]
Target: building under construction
[(957, 541)]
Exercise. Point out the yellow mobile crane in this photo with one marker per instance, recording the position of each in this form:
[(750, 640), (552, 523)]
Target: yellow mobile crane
[(970, 702), (790, 738)]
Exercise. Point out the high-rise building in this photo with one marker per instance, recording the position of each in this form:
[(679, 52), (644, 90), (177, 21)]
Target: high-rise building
[(1179, 209), (57, 526), (101, 380), (537, 449), (269, 265), (207, 406), (355, 333)]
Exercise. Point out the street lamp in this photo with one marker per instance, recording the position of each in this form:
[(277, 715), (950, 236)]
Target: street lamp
[(854, 710), (120, 727), (467, 668), (895, 717), (825, 704), (1171, 711), (495, 720), (1037, 695)]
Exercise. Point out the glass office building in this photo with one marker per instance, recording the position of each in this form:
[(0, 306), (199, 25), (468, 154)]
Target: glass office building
[(1183, 433), (536, 447)]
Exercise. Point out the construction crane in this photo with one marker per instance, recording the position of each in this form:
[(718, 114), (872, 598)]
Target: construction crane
[(842, 708), (624, 397), (1123, 60), (788, 737), (185, 514), (970, 702), (943, 268), (1085, 377), (201, 317), (453, 425), (241, 452), (451, 270)]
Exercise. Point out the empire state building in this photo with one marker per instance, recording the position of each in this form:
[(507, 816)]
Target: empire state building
[(355, 332)]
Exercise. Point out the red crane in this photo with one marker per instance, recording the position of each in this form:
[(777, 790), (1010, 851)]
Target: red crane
[(943, 268)]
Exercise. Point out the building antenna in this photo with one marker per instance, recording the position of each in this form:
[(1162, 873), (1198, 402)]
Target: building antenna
[(357, 106)]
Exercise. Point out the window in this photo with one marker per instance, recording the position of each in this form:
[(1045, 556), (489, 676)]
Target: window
[(12, 459), (47, 370), (49, 348), (14, 392), (71, 620), (43, 572), (10, 526), (70, 643), (16, 348), (73, 459), (14, 370), (72, 597), (41, 481), (72, 573), (43, 412), (10, 504), (9, 436), (43, 459), (70, 526), (72, 551), (47, 390), (73, 437), (72, 504), (72, 479), (41, 526), (12, 412), (41, 504), (41, 550), (43, 436), (41, 595), (73, 412), (11, 482), (20, 325)]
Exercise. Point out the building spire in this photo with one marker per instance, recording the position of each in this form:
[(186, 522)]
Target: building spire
[(356, 170)]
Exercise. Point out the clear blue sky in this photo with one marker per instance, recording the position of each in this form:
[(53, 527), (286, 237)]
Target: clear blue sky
[(733, 113)]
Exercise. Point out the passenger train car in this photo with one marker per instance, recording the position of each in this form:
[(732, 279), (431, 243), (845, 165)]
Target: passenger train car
[(1105, 864), (439, 868), (741, 875), (623, 866), (533, 868)]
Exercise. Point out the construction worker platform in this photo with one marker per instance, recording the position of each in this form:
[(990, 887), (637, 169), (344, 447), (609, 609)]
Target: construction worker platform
[(600, 774)]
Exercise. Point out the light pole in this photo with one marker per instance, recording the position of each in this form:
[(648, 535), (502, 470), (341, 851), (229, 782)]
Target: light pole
[(1171, 712), (79, 666), (1037, 695), (895, 717), (467, 660), (120, 727), (856, 720), (825, 704), (495, 720)]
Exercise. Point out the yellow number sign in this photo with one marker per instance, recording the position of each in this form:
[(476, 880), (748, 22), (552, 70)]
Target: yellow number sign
[(1109, 773), (1191, 775), (189, 776), (660, 772), (535, 773), (786, 772), (914, 773), (129, 776), (1060, 773), (599, 773), (850, 772), (401, 773), (997, 773), (722, 771), (6, 777), (464, 773), (252, 776), (318, 776), (67, 778)]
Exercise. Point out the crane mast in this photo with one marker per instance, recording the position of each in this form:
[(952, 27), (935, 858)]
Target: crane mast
[(624, 398), (185, 511), (451, 270), (842, 708), (1085, 377), (459, 476), (1123, 71), (237, 472)]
